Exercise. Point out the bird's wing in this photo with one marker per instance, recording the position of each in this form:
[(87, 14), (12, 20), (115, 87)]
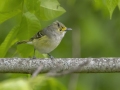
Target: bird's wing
[(40, 34), (37, 35)]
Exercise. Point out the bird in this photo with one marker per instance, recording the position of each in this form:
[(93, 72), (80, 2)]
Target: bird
[(47, 39)]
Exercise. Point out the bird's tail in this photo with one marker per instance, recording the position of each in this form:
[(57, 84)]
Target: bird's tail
[(22, 42)]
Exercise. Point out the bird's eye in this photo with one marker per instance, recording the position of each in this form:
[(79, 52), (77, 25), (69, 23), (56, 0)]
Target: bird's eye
[(60, 28), (58, 24)]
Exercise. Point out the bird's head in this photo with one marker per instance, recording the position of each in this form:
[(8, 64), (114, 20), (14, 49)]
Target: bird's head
[(57, 29)]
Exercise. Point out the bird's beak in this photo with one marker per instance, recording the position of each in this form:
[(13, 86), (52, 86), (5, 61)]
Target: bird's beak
[(68, 29)]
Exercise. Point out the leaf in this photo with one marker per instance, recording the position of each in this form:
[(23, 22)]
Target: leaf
[(30, 25), (98, 3), (50, 9), (25, 50), (32, 5), (9, 41), (15, 84), (111, 4), (9, 8), (45, 9), (9, 5), (119, 4), (55, 84), (6, 15), (46, 83)]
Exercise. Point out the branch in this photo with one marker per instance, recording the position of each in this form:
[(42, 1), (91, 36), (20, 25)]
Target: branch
[(84, 65)]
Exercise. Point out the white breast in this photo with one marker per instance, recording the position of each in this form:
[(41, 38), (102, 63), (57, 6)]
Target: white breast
[(45, 44)]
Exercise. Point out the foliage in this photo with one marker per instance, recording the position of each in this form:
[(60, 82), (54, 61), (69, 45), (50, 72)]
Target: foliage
[(110, 4), (94, 34), (37, 83)]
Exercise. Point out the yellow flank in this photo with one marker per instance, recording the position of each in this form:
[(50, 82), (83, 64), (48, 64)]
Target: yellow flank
[(44, 44)]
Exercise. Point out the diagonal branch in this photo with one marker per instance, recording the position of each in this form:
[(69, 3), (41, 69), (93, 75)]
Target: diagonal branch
[(84, 65)]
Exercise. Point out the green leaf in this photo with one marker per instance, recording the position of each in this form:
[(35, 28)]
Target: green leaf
[(46, 83), (6, 15), (98, 3), (44, 9), (119, 4), (25, 50), (9, 8), (32, 5), (15, 84), (111, 4), (9, 5), (9, 41), (30, 25), (50, 9), (55, 84)]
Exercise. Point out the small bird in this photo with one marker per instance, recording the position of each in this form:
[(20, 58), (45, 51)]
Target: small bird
[(48, 39)]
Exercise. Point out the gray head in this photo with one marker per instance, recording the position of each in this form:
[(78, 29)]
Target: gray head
[(57, 28)]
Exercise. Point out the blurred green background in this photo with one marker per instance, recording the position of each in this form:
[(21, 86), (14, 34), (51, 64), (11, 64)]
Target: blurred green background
[(94, 34)]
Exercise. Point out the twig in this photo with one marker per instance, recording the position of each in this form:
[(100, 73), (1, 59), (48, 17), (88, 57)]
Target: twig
[(37, 71)]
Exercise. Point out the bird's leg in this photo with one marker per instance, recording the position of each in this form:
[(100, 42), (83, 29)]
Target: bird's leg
[(51, 57), (34, 54)]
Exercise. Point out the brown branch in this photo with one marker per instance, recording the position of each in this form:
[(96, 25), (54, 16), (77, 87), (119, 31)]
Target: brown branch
[(84, 65)]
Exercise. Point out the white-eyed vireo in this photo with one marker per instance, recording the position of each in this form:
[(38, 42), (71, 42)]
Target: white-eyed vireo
[(48, 39)]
